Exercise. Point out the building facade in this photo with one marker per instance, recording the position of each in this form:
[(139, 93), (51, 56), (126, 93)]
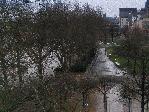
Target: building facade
[(127, 16)]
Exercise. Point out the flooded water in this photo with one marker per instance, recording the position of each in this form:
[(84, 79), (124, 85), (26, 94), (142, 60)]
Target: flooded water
[(103, 66)]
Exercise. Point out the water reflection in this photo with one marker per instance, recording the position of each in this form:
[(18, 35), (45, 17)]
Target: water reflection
[(103, 66)]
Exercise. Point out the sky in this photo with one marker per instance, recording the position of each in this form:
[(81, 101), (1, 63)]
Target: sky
[(111, 7)]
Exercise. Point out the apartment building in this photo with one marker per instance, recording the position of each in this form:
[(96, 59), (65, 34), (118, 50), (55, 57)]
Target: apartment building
[(127, 16)]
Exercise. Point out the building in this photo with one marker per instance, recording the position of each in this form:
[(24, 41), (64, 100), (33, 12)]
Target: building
[(127, 16), (113, 20), (143, 18), (2, 1), (142, 13), (147, 5), (143, 23)]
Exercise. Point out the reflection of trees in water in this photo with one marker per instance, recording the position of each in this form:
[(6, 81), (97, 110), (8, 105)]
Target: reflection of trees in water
[(100, 85)]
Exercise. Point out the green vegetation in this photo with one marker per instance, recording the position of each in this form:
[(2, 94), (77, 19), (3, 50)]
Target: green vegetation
[(83, 64), (119, 61)]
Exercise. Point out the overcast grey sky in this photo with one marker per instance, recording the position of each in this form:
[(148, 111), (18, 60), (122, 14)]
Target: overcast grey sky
[(111, 7)]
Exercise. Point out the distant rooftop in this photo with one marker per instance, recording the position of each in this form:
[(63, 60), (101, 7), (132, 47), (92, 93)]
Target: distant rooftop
[(125, 12)]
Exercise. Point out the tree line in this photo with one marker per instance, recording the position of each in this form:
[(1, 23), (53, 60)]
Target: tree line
[(31, 40), (133, 55)]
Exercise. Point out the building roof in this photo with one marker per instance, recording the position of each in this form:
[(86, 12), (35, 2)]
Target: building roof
[(125, 12)]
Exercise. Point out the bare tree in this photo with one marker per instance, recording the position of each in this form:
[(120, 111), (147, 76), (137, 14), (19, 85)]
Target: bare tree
[(135, 53)]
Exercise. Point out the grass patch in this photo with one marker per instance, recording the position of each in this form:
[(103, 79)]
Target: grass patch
[(116, 58)]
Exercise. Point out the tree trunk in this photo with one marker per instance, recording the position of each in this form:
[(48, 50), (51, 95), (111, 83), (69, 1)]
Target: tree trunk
[(129, 104), (143, 87), (84, 101), (40, 65), (143, 94), (40, 70), (112, 35), (5, 79), (3, 65), (105, 102), (147, 107), (19, 69)]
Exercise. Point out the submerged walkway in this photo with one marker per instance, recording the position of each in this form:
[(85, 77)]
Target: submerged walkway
[(102, 66)]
